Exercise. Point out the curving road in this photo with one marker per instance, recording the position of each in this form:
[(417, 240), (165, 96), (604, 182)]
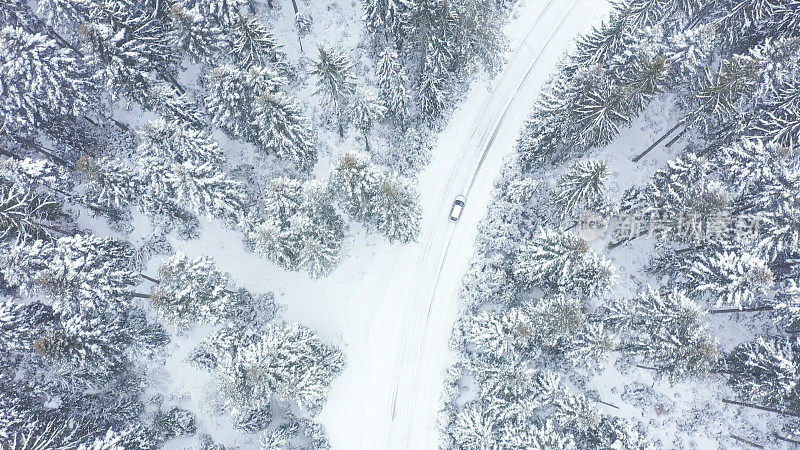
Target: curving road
[(390, 396)]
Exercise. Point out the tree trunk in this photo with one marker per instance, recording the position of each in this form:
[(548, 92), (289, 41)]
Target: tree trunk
[(150, 279), (622, 241), (608, 404), (53, 228), (785, 439), (759, 407), (119, 124), (659, 140), (45, 151), (740, 310), (171, 80), (138, 295), (675, 139), (743, 440), (294, 5), (9, 154)]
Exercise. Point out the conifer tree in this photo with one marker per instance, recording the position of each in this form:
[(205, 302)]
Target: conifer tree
[(223, 12), (194, 290), (334, 81), (184, 164), (684, 192), (27, 215), (560, 262), (366, 109), (77, 273), (397, 211), (431, 92), (666, 329), (302, 230), (392, 80), (720, 91), (232, 97), (189, 32), (385, 15), (42, 81), (582, 186), (733, 280), (287, 362), (283, 130), (247, 105), (355, 181), (767, 371), (82, 343), (254, 45)]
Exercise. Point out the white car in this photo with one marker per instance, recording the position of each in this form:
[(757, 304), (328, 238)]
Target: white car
[(458, 207)]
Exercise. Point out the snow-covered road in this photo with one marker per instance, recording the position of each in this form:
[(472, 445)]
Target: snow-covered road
[(391, 308), (408, 354)]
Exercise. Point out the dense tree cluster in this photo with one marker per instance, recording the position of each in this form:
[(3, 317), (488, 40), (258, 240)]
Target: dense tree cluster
[(714, 232)]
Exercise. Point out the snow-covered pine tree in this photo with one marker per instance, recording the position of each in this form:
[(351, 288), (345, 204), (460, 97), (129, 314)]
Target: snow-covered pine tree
[(224, 12), (430, 94), (26, 214), (681, 201), (720, 91), (386, 16), (126, 43), (287, 362), (110, 182), (232, 96), (787, 307), (195, 291), (430, 27), (779, 236), (397, 211), (283, 131), (781, 121), (194, 35), (254, 45), (321, 230), (120, 62), (44, 435), (562, 328), (78, 273), (62, 14), (515, 435), (302, 230), (82, 344), (20, 323), (767, 371), (334, 81), (762, 175), (582, 187), (392, 81), (731, 279), (603, 108), (355, 181), (366, 109), (560, 262), (666, 329), (185, 165), (647, 75), (41, 81), (505, 334)]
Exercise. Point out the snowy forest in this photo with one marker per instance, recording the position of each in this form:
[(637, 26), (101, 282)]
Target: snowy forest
[(211, 213), (636, 280)]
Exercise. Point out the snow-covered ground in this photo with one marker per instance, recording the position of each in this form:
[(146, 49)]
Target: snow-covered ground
[(390, 307)]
